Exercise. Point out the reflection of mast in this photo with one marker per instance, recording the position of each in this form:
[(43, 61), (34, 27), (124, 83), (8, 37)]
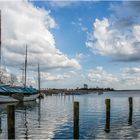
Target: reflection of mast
[(39, 112), (26, 126), (25, 66), (39, 115)]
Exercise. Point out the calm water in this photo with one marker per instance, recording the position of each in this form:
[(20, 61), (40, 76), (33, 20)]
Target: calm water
[(52, 117)]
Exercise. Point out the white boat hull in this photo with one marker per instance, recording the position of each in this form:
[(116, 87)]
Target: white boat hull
[(30, 98), (9, 99)]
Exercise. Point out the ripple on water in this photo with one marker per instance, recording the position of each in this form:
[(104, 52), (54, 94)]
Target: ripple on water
[(53, 117)]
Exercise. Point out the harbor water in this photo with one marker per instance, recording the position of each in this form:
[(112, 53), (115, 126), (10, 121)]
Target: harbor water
[(53, 117)]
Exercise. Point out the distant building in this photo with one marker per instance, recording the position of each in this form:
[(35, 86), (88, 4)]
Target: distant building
[(77, 88), (85, 86)]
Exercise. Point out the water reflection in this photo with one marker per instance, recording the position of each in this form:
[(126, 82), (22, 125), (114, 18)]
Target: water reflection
[(26, 124), (56, 117), (39, 112), (130, 99)]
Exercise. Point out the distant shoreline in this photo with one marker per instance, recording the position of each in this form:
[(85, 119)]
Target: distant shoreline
[(81, 91), (128, 90)]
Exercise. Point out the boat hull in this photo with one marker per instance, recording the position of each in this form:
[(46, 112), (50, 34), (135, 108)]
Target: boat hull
[(9, 99), (31, 97)]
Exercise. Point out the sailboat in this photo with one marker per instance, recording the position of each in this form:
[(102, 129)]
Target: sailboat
[(16, 94)]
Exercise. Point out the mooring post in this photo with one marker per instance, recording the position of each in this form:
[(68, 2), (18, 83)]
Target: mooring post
[(73, 97), (76, 120), (0, 125), (107, 126), (11, 121), (130, 100)]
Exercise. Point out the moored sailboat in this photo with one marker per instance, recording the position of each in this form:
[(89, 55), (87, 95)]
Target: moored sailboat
[(10, 93)]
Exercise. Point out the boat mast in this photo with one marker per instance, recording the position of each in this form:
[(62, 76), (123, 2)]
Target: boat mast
[(25, 67), (0, 49), (22, 74), (38, 78)]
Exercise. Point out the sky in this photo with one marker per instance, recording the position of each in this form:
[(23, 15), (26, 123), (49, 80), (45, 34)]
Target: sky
[(75, 42)]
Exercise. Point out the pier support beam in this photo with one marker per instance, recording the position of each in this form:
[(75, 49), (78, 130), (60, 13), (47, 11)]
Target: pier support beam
[(130, 100), (76, 120), (107, 126), (11, 121)]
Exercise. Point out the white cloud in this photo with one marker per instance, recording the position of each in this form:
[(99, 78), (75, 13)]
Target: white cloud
[(127, 78), (131, 71), (54, 77), (23, 23), (80, 19), (84, 29), (119, 35), (73, 23), (101, 76), (62, 3), (81, 56), (130, 76), (79, 24), (72, 72)]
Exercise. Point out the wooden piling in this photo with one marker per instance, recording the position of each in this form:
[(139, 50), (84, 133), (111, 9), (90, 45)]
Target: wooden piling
[(107, 126), (130, 100), (11, 121), (73, 97), (76, 120), (0, 125)]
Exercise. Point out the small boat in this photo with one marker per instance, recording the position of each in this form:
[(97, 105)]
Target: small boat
[(10, 93), (17, 94)]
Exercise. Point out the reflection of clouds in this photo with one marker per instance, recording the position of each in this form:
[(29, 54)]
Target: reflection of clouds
[(119, 120), (53, 116), (55, 121), (56, 117)]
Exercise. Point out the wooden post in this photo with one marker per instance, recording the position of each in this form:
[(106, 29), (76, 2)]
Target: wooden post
[(76, 120), (11, 121), (107, 126), (0, 125), (130, 99)]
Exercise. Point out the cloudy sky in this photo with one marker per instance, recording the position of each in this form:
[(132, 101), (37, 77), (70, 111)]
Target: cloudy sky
[(75, 42)]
